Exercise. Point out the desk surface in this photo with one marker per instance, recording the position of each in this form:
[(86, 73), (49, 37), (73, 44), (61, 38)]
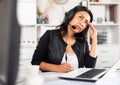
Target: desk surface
[(51, 78)]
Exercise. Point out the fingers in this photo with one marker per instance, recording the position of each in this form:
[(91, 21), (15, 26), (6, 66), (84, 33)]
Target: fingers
[(91, 25), (68, 67), (92, 31), (65, 67)]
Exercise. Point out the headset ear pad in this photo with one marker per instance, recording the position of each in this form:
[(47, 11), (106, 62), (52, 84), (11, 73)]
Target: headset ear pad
[(69, 16)]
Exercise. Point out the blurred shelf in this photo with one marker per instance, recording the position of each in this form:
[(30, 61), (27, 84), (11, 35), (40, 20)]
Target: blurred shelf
[(47, 25), (104, 3), (107, 24)]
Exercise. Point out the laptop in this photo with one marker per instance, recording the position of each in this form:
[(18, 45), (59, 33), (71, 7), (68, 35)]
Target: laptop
[(90, 74)]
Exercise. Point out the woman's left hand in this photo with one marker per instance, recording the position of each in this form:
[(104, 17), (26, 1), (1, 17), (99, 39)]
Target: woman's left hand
[(93, 36), (93, 32)]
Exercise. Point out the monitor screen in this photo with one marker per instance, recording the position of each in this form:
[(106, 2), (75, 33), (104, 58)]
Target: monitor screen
[(9, 42)]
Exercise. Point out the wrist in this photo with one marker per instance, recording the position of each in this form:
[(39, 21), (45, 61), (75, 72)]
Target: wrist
[(55, 68), (94, 41)]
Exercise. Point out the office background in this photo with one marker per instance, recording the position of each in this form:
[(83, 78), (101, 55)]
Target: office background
[(33, 25)]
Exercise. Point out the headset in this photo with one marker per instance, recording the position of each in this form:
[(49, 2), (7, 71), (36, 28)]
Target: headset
[(70, 14)]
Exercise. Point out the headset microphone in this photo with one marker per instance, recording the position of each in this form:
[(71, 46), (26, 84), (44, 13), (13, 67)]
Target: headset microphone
[(73, 26)]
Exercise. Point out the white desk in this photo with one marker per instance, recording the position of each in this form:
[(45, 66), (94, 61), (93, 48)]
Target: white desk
[(51, 78)]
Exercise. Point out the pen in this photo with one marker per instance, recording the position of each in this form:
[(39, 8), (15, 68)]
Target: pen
[(66, 57)]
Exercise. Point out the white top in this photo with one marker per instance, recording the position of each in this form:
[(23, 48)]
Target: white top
[(71, 59)]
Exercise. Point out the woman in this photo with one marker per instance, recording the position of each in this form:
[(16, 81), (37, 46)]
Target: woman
[(66, 48)]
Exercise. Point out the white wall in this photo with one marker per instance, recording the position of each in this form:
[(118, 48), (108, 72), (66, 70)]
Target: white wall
[(54, 11)]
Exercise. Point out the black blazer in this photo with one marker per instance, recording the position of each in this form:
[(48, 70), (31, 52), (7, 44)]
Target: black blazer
[(51, 48)]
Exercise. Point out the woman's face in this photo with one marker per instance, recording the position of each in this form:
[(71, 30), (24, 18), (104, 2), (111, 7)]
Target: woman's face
[(80, 21)]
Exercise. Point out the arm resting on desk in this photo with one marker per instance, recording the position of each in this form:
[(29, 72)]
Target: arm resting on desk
[(65, 67)]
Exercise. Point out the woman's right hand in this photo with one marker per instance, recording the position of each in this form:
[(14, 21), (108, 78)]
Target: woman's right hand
[(64, 67)]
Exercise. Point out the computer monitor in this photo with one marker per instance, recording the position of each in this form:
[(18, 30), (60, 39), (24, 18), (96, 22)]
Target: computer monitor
[(9, 42)]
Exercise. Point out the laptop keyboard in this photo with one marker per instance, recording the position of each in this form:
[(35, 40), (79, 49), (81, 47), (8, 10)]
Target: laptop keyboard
[(91, 73)]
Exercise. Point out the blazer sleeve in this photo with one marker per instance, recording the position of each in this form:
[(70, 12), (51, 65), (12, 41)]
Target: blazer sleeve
[(41, 50), (89, 61)]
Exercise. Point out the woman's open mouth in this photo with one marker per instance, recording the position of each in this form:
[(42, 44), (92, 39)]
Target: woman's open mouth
[(78, 28)]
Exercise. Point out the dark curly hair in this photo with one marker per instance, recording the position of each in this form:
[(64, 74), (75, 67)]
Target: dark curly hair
[(69, 16)]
